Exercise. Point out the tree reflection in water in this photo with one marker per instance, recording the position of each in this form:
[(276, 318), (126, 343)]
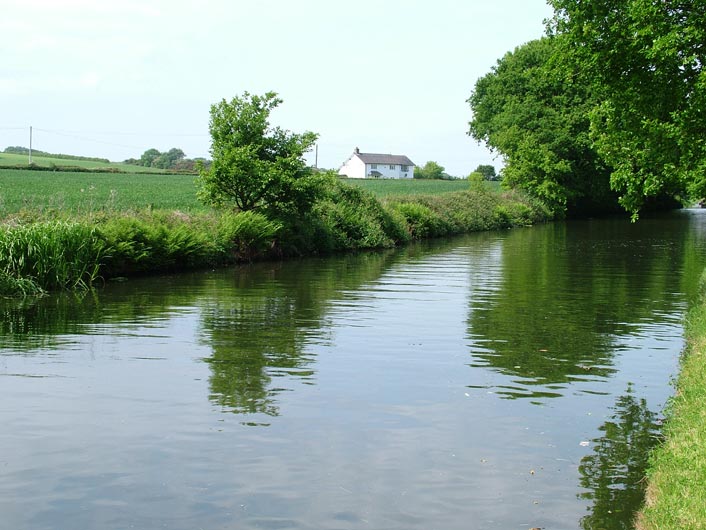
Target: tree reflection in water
[(613, 474)]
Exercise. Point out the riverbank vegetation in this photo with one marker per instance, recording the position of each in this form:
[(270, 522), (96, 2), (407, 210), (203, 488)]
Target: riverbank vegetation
[(47, 249), (676, 497)]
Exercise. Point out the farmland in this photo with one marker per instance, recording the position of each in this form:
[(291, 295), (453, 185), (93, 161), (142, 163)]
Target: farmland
[(12, 159), (79, 192), (383, 188)]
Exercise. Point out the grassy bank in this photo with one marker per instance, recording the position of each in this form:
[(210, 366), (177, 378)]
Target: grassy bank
[(676, 496), (94, 237)]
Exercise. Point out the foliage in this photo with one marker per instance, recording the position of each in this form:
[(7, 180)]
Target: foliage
[(531, 110), (51, 255), (646, 61), (421, 221), (348, 218), (155, 242), (246, 235), (475, 180), (467, 211), (676, 497), (175, 158), (255, 165), (430, 170), (487, 171)]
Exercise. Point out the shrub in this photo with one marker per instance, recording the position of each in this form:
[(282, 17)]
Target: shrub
[(155, 242), (421, 221), (348, 217), (246, 235)]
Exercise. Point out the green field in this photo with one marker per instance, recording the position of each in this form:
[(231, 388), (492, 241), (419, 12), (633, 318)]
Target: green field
[(77, 192), (12, 159), (390, 187), (67, 192)]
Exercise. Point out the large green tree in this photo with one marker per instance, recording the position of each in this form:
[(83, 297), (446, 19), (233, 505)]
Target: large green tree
[(533, 111), (646, 58), (255, 165)]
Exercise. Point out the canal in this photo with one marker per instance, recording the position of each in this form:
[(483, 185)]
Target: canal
[(499, 380)]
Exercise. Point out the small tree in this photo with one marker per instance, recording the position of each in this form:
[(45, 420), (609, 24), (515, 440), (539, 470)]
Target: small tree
[(487, 171), (430, 170), (149, 156), (475, 181), (255, 165)]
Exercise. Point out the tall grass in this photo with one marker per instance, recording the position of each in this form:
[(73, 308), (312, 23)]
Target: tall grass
[(51, 255)]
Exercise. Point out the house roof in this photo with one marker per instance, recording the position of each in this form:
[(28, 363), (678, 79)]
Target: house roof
[(376, 158)]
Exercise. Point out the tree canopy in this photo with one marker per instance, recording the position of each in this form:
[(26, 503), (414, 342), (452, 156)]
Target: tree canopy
[(430, 170), (646, 60), (614, 98), (175, 158), (531, 111), (254, 164), (488, 172)]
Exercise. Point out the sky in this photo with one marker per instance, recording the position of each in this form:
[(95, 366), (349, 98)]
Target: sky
[(113, 78)]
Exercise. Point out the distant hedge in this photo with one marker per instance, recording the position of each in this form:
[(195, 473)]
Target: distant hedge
[(18, 150)]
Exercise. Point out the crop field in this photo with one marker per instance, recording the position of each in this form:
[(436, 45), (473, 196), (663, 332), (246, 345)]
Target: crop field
[(12, 159), (49, 192), (385, 188), (80, 193)]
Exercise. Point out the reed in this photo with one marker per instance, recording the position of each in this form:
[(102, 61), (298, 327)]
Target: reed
[(52, 254)]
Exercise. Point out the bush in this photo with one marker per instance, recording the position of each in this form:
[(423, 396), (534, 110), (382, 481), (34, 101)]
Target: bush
[(246, 235), (421, 221), (155, 242), (352, 218)]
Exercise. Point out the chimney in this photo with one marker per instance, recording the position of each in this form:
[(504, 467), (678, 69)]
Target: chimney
[(357, 151)]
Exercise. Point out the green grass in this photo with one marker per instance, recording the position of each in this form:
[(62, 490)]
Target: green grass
[(392, 187), (12, 159), (676, 492), (47, 192), (44, 192)]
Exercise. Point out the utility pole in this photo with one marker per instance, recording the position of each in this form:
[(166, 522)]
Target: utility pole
[(30, 145), (316, 157)]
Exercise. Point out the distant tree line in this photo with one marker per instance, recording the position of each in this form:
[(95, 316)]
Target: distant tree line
[(18, 150), (174, 159), (433, 170)]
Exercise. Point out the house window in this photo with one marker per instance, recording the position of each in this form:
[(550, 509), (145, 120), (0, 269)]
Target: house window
[(405, 168), (392, 166), (373, 166)]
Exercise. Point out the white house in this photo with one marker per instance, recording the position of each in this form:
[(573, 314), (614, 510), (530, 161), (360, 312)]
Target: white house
[(372, 165)]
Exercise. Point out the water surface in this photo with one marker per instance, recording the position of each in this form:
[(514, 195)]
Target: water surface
[(500, 380)]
